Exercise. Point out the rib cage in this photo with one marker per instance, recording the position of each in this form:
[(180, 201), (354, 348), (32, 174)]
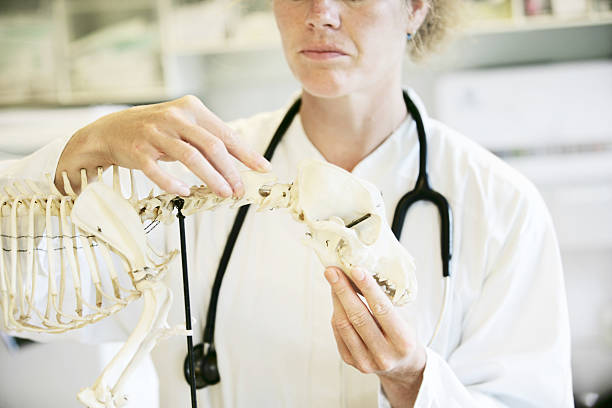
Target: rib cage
[(89, 263), (37, 225), (47, 243), (79, 266)]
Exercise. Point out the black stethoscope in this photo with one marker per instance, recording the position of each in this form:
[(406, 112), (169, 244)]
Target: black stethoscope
[(205, 359)]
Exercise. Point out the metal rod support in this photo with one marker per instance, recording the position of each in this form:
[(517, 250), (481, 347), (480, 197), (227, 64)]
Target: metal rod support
[(178, 203)]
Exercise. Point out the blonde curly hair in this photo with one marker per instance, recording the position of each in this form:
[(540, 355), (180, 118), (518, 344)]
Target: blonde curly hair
[(442, 20)]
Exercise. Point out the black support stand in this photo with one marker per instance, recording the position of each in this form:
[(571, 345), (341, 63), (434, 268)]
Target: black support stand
[(178, 203)]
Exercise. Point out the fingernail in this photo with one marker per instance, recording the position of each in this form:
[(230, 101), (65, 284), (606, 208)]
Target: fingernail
[(238, 189), (225, 191), (183, 190), (358, 274), (264, 164), (331, 275)]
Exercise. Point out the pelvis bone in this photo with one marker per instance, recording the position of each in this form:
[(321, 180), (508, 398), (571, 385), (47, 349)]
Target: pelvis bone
[(98, 237)]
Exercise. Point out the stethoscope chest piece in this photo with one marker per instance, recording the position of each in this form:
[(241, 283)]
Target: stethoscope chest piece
[(205, 366)]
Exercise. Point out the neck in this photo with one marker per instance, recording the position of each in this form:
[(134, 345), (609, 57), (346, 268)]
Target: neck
[(347, 129)]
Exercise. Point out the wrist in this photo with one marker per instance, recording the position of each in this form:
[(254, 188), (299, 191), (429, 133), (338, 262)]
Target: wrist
[(82, 151), (401, 393), (401, 388)]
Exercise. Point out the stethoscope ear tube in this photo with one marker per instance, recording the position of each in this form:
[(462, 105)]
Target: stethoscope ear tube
[(423, 191)]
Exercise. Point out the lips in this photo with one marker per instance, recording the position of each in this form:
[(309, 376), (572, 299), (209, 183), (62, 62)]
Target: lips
[(323, 52)]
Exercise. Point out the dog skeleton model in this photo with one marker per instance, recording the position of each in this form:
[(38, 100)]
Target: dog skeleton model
[(97, 239)]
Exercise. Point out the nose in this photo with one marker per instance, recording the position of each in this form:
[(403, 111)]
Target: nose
[(323, 14)]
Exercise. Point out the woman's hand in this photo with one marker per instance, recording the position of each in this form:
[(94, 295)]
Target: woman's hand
[(180, 130), (376, 340)]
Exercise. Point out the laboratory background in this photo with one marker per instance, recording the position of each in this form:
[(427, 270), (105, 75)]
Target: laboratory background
[(531, 80)]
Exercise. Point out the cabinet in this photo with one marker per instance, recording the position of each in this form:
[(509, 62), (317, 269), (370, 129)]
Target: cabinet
[(73, 52)]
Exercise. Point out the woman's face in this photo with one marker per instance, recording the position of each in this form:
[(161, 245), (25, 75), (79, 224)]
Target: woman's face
[(335, 47)]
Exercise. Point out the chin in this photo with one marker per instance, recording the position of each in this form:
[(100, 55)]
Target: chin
[(325, 86), (323, 92), (324, 79)]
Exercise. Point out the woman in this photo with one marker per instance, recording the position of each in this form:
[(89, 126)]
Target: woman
[(505, 340)]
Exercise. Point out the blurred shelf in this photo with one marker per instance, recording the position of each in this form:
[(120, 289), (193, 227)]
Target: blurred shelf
[(136, 95), (225, 48), (543, 22), (114, 6), (21, 98), (90, 97)]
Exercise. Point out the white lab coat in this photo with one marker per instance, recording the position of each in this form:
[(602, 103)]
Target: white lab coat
[(505, 338)]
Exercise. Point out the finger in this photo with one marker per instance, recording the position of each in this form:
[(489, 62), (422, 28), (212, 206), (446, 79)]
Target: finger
[(342, 348), (213, 124), (193, 159), (394, 327), (151, 169), (240, 150), (357, 312), (354, 343), (216, 153), (359, 316)]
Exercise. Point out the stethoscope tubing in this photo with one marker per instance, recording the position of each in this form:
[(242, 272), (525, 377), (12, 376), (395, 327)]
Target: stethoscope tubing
[(445, 300)]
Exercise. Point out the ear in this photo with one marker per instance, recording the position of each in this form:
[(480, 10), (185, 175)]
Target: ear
[(418, 10)]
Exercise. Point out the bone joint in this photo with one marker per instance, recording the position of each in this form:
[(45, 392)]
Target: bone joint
[(71, 260)]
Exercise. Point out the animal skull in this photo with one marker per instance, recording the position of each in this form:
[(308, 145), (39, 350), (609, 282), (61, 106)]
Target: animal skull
[(347, 227)]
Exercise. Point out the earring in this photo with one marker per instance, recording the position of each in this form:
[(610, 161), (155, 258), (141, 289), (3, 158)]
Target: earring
[(409, 36)]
